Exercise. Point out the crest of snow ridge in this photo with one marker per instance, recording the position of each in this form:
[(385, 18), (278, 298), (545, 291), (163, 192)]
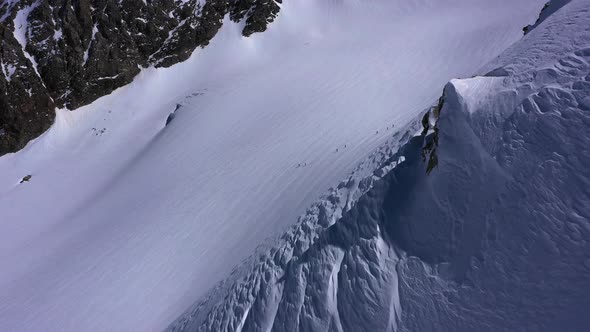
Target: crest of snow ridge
[(493, 238)]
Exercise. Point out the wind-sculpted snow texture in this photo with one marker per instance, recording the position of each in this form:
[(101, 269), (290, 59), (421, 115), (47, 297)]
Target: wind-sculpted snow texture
[(494, 239), (299, 282), (130, 215)]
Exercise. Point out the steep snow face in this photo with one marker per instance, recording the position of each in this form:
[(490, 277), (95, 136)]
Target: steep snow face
[(504, 237), (333, 271), (125, 220), (495, 238)]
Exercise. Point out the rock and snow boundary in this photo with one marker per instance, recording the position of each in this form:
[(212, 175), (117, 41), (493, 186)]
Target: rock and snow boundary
[(495, 238)]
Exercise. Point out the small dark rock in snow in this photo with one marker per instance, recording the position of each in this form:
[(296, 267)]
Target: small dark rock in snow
[(170, 118), (26, 178)]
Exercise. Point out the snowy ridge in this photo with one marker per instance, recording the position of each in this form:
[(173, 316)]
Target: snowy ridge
[(495, 238), (253, 303), (503, 242), (136, 217)]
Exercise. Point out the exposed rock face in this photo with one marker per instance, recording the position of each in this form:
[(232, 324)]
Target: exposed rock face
[(26, 109), (68, 53), (548, 9), (258, 13)]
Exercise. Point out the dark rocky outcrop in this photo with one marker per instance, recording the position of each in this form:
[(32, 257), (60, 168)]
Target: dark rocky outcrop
[(548, 9), (430, 144), (26, 178), (72, 52), (258, 13)]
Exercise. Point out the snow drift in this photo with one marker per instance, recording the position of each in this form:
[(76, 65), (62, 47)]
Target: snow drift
[(495, 238)]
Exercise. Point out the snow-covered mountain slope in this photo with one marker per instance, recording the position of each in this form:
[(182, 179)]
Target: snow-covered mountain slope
[(125, 221), (494, 238)]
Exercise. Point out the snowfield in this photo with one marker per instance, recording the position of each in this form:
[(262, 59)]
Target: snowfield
[(494, 239), (127, 220)]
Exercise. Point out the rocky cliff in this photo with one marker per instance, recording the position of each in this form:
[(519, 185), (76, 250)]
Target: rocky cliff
[(68, 53)]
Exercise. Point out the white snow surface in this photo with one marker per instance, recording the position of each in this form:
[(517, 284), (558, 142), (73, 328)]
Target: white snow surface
[(126, 221), (94, 32), (57, 35), (21, 29), (8, 70), (494, 239)]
